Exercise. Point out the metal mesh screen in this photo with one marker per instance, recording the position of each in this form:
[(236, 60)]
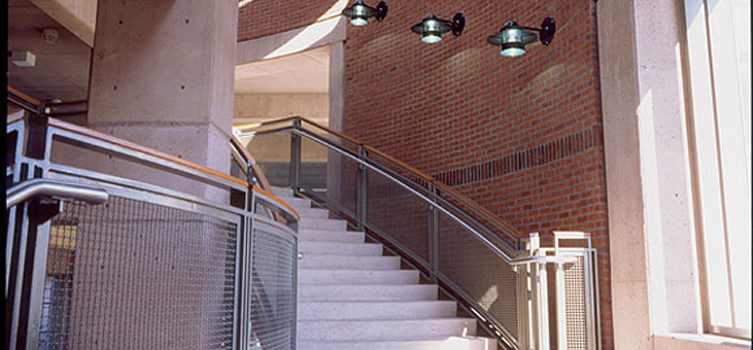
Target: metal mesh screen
[(398, 213), (479, 272), (135, 275), (575, 306), (273, 299)]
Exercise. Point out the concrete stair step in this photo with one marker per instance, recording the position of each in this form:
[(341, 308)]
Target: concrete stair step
[(366, 292), (450, 343), (309, 235), (349, 277), (386, 329), (333, 262), (297, 203), (403, 310), (313, 213), (334, 248), (323, 224), (282, 192)]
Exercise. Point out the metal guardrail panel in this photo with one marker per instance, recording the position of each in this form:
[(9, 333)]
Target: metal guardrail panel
[(272, 314), (575, 306), (132, 274)]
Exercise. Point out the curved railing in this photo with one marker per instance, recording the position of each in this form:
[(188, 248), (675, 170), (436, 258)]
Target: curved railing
[(106, 236), (475, 257)]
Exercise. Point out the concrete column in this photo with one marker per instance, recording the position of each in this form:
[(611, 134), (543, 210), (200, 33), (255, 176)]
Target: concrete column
[(336, 113), (651, 229), (162, 76)]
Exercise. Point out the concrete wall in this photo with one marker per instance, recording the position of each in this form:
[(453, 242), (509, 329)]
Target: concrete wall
[(281, 105)]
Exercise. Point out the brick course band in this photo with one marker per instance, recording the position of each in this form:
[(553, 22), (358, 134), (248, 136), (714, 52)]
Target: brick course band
[(575, 143)]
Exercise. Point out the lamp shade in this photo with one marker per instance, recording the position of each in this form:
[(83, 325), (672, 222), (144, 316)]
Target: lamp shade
[(431, 28), (359, 13), (513, 38)]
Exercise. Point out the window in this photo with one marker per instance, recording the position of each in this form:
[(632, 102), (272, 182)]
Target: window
[(718, 71)]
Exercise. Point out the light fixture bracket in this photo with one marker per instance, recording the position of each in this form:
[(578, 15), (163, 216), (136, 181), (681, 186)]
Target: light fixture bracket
[(513, 38), (381, 11), (458, 23)]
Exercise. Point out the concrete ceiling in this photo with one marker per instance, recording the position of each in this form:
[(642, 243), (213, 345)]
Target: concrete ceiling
[(62, 68), (305, 72)]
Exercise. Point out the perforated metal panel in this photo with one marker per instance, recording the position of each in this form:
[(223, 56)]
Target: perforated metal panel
[(479, 272), (136, 275), (575, 306), (273, 299)]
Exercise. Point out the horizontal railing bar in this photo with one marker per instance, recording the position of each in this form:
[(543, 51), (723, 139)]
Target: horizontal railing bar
[(142, 149), (54, 188), (265, 123), (116, 185), (152, 161), (333, 132), (513, 232), (275, 225), (426, 199), (473, 220)]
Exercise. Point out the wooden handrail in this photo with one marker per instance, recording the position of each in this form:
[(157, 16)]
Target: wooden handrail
[(369, 149), (143, 149), (263, 181), (270, 122), (331, 131), (277, 199), (441, 185), (413, 170), (23, 95), (485, 212)]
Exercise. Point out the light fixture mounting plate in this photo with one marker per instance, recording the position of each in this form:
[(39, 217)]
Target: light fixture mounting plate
[(458, 23), (381, 11), (547, 31)]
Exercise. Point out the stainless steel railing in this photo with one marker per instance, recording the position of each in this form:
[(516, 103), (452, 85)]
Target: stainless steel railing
[(112, 244), (474, 257), (54, 188)]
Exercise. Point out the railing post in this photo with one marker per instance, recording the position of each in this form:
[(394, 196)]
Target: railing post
[(295, 158), (540, 293), (433, 235), (560, 305), (560, 295), (361, 209)]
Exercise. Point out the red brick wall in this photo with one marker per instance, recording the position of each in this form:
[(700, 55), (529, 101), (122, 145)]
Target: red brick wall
[(260, 18), (522, 137)]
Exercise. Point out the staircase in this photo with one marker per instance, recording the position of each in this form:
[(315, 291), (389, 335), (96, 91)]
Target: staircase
[(350, 296)]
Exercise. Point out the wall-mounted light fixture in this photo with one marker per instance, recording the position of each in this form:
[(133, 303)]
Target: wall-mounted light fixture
[(359, 13), (432, 28), (513, 38)]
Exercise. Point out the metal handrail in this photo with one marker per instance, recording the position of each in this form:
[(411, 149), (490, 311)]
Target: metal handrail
[(250, 164), (54, 188), (408, 185)]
